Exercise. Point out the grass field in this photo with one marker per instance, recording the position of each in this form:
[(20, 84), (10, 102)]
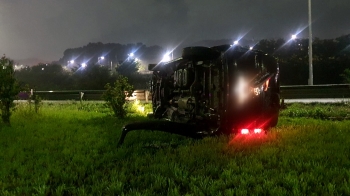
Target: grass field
[(71, 150)]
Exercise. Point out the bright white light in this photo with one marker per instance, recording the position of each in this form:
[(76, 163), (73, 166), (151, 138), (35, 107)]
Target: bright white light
[(72, 61), (102, 57), (250, 48), (83, 65), (242, 84), (294, 36), (257, 130), (244, 131), (131, 54), (166, 57), (235, 42), (136, 59), (242, 89)]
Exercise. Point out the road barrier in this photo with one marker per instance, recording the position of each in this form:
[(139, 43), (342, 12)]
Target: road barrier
[(287, 92), (316, 91), (91, 95)]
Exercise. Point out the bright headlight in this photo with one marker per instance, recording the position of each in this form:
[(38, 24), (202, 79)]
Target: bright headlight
[(242, 89), (242, 86)]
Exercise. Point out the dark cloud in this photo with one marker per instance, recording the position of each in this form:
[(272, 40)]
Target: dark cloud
[(45, 28)]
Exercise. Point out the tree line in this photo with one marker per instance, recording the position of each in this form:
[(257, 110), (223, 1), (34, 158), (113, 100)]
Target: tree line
[(114, 95), (331, 64), (54, 76), (331, 59)]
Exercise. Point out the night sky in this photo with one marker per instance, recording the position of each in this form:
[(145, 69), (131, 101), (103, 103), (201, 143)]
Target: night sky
[(43, 29)]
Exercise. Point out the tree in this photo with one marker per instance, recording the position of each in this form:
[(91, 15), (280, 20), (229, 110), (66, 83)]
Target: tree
[(45, 77), (92, 77), (128, 67), (9, 88)]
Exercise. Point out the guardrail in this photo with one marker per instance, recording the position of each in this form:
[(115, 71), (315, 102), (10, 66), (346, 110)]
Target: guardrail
[(287, 92), (91, 95), (316, 91)]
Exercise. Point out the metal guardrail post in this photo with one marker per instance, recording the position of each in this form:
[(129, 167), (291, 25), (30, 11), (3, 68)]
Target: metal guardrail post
[(146, 95), (81, 94)]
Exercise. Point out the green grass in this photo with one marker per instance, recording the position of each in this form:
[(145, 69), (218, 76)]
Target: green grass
[(71, 150), (318, 110)]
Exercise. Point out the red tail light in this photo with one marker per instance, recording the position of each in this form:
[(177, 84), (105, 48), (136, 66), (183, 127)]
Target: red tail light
[(257, 130), (246, 131)]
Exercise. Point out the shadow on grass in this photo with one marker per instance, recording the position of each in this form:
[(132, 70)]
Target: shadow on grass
[(149, 141)]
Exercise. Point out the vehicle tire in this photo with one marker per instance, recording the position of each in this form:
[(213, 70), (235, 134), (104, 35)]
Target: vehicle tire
[(199, 53)]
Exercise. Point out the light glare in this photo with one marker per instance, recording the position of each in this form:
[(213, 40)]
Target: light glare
[(166, 58), (241, 89), (244, 131)]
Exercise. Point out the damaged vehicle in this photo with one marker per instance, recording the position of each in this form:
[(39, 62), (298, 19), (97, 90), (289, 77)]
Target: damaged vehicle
[(208, 91)]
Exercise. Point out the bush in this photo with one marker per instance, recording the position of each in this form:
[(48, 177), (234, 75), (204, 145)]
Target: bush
[(9, 88), (141, 109), (115, 95)]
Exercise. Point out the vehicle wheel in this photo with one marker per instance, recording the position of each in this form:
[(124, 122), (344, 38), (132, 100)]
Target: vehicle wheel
[(199, 53)]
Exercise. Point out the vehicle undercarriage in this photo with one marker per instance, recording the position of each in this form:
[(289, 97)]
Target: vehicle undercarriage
[(211, 91)]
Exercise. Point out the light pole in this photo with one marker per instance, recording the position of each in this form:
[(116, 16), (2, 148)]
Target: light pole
[(311, 77)]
